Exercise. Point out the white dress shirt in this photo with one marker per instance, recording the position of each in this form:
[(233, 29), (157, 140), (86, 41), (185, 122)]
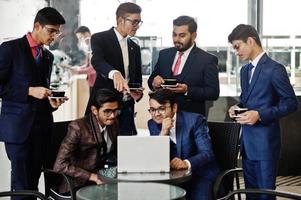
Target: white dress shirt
[(183, 59), (254, 63)]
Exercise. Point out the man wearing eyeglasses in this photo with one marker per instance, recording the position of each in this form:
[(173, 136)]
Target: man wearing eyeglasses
[(195, 70), (26, 112), (90, 143), (190, 143), (117, 61)]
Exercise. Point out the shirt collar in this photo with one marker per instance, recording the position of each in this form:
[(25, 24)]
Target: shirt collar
[(119, 36), (256, 60), (102, 128), (31, 42)]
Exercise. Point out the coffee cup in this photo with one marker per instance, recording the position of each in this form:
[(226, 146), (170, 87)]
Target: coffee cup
[(57, 93), (238, 110)]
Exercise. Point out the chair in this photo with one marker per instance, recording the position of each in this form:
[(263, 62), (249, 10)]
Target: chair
[(30, 193), (288, 195), (225, 142), (52, 179)]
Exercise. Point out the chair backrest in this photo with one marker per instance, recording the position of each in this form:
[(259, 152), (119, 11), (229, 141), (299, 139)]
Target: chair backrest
[(27, 193), (225, 142)]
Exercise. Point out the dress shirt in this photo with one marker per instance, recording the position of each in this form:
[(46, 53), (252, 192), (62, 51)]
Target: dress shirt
[(183, 59), (125, 55), (33, 45), (106, 137), (254, 63)]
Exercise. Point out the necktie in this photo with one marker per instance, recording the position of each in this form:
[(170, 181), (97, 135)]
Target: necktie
[(177, 65), (38, 56), (250, 67)]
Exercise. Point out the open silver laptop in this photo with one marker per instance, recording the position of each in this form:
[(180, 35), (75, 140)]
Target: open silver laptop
[(143, 154)]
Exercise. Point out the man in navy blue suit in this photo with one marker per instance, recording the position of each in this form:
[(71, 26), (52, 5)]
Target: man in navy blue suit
[(268, 95), (190, 142), (117, 61), (195, 70), (26, 112)]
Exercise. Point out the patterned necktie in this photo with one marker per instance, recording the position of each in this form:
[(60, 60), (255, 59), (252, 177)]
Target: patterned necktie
[(177, 65), (38, 56)]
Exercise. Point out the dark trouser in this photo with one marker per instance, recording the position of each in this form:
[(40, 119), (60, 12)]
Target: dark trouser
[(27, 158), (260, 174), (198, 188), (126, 119)]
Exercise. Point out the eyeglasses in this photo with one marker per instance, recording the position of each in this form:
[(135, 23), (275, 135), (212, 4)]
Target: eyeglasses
[(52, 31), (134, 22), (108, 112), (161, 110)]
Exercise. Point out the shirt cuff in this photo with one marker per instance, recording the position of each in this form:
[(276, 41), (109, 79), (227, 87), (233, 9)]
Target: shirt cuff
[(188, 163), (111, 74)]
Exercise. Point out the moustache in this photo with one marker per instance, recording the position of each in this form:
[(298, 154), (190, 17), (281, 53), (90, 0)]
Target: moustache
[(178, 43)]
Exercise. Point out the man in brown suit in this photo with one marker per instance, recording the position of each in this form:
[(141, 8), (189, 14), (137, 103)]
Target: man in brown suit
[(91, 141)]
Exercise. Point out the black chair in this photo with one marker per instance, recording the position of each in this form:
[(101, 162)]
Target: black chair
[(52, 179), (27, 193), (286, 195), (225, 142)]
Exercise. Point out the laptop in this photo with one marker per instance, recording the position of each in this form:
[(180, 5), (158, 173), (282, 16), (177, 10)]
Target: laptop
[(143, 154)]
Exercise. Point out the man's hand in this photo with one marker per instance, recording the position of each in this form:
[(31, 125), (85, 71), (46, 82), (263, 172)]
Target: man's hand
[(55, 103), (231, 111), (249, 117), (167, 124), (137, 94), (119, 82), (157, 82), (181, 88), (39, 92), (177, 163), (93, 177)]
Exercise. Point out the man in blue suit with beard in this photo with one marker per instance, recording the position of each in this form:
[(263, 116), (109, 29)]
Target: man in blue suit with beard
[(190, 142), (268, 95)]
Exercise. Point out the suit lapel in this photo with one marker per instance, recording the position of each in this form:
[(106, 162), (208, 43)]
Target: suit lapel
[(169, 60), (116, 46), (131, 59), (187, 66), (255, 75), (179, 137)]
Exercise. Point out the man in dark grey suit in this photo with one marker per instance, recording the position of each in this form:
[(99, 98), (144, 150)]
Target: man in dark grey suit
[(117, 61), (195, 70)]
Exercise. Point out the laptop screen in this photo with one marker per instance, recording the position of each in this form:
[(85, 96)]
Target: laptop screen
[(143, 154)]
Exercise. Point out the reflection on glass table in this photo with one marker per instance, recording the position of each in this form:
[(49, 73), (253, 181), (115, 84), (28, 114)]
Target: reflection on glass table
[(111, 175), (131, 191)]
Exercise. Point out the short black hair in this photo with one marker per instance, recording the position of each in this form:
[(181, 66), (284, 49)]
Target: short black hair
[(103, 96), (127, 8), (82, 29), (163, 96), (49, 15), (186, 20), (243, 32)]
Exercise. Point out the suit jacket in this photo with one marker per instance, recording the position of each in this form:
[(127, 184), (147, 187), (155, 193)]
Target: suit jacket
[(79, 153), (200, 73), (107, 56), (271, 94), (19, 71), (193, 143)]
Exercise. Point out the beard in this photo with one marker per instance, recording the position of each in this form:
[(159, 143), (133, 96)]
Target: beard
[(183, 46)]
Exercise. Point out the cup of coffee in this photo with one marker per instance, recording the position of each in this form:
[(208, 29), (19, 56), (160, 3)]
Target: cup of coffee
[(57, 93), (239, 110)]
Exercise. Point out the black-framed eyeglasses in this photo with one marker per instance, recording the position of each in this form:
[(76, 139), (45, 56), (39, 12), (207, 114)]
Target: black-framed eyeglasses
[(161, 110), (108, 112), (52, 31), (134, 22)]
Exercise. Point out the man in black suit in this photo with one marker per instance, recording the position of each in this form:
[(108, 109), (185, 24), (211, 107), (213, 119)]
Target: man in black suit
[(26, 112), (117, 61), (195, 70)]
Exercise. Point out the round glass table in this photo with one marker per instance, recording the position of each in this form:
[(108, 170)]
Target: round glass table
[(131, 191), (175, 177)]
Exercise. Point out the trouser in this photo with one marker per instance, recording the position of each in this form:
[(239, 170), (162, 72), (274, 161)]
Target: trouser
[(127, 119), (260, 174), (27, 158)]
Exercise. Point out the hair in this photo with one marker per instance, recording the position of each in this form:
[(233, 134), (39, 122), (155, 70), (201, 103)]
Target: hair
[(186, 20), (163, 96), (103, 96), (49, 15), (82, 29), (126, 8), (243, 32)]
